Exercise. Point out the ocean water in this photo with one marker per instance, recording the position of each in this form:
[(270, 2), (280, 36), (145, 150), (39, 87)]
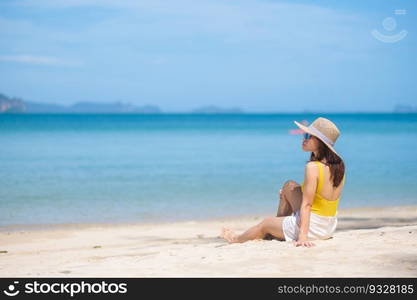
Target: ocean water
[(90, 168)]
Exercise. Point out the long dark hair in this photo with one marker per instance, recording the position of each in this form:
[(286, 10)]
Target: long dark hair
[(336, 164)]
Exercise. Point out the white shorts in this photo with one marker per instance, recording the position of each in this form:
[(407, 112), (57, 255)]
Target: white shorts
[(321, 227)]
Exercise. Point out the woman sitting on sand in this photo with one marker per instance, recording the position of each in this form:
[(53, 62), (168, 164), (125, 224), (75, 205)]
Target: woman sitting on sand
[(306, 212)]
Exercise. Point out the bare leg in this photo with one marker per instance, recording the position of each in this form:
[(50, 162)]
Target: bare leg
[(291, 198), (271, 225), (284, 208)]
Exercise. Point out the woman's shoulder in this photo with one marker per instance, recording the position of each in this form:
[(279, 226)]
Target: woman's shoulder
[(315, 164), (312, 165), (311, 169)]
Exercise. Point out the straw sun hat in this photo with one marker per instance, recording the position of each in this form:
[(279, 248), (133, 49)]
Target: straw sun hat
[(323, 129)]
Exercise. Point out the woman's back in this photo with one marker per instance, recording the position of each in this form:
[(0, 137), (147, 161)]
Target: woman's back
[(328, 191), (326, 197)]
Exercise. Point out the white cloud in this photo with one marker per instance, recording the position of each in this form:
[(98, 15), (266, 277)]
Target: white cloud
[(39, 60)]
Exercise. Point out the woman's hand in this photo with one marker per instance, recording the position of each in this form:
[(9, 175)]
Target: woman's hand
[(304, 243)]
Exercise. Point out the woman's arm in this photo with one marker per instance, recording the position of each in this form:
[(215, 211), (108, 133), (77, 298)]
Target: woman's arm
[(310, 185)]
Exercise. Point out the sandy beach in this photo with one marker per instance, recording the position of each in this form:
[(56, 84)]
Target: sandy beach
[(371, 242)]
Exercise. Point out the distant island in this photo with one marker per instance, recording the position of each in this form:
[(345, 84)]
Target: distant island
[(405, 109), (17, 105), (13, 105)]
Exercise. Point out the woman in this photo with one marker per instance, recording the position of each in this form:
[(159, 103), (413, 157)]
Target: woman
[(309, 211)]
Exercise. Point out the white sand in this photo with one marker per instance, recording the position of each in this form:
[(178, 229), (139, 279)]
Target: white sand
[(373, 242)]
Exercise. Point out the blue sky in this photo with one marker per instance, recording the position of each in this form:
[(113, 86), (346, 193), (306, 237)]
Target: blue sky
[(262, 56)]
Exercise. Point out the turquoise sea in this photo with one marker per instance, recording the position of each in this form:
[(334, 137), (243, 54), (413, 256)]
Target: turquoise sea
[(93, 168)]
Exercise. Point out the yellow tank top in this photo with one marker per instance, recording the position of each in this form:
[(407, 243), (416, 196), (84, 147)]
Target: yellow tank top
[(321, 206)]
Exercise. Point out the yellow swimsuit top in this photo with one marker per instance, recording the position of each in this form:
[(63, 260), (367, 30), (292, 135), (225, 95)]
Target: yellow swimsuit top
[(321, 206)]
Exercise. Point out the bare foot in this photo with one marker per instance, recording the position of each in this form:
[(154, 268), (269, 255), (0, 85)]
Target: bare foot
[(229, 235)]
